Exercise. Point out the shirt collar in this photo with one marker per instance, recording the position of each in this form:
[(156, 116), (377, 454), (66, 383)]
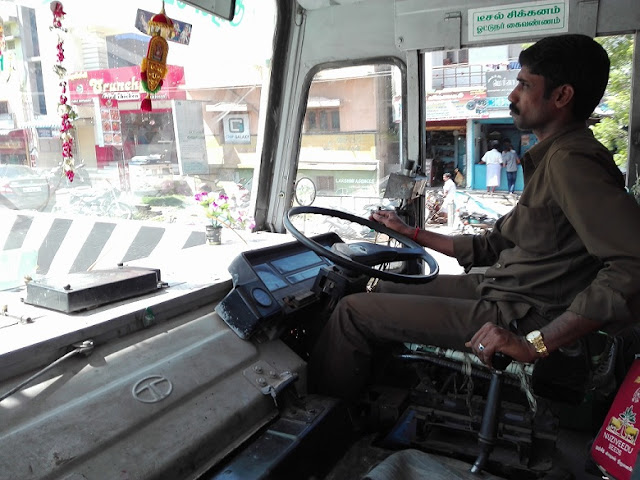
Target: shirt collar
[(539, 150)]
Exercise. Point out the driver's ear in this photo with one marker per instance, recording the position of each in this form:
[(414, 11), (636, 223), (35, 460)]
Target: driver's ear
[(563, 95)]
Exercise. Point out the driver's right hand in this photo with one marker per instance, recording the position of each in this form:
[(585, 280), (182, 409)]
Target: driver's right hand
[(390, 219)]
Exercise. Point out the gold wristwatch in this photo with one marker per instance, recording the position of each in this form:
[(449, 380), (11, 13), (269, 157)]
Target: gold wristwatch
[(535, 338)]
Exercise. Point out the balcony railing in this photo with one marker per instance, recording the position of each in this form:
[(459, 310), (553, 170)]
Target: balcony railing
[(459, 75)]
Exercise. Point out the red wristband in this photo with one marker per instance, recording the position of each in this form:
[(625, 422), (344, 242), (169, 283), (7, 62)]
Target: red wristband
[(415, 234)]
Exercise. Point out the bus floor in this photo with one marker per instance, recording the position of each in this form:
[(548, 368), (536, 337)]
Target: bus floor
[(571, 460)]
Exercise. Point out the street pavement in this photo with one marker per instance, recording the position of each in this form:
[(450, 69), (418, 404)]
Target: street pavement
[(500, 203)]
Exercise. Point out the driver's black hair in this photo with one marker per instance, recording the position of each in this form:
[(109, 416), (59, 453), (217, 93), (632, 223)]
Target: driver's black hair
[(577, 60)]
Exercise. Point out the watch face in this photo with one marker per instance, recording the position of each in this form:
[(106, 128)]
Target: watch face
[(533, 336), (535, 339)]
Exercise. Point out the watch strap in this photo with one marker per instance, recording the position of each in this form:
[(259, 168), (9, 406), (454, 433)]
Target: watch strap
[(535, 339)]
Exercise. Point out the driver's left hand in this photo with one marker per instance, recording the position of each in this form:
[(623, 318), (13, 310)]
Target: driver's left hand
[(497, 339)]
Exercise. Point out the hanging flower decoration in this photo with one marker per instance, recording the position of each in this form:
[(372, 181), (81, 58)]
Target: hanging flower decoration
[(153, 68), (65, 110)]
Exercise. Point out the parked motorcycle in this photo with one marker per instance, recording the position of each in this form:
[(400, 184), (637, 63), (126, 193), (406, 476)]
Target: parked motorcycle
[(89, 201), (474, 222), (435, 215), (57, 177)]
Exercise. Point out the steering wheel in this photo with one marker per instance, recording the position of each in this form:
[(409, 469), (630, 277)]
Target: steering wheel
[(361, 256)]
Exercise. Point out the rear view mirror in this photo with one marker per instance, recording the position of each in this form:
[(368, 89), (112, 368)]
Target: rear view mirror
[(221, 8)]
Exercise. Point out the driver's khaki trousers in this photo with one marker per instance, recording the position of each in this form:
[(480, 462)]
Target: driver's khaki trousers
[(445, 312)]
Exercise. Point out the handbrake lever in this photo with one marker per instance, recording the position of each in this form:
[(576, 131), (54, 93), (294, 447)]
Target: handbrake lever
[(488, 433)]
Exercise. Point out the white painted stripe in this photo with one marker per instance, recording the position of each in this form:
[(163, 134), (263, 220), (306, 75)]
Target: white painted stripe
[(38, 231), (116, 247), (172, 240)]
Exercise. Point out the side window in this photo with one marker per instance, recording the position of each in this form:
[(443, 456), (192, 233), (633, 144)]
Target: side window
[(351, 134)]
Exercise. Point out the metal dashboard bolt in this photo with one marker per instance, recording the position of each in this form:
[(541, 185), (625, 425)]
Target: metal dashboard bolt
[(272, 384)]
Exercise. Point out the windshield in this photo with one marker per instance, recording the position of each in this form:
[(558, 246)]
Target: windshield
[(125, 128)]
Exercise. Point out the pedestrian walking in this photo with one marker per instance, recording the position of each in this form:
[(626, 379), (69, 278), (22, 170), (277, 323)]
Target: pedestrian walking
[(493, 160), (510, 160), (448, 204)]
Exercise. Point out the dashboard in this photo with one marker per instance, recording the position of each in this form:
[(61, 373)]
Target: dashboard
[(270, 283)]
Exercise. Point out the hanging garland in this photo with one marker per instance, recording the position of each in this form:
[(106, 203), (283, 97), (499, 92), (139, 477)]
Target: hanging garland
[(65, 110), (153, 68)]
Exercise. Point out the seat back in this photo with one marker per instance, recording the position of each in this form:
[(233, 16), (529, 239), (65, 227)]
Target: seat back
[(566, 375)]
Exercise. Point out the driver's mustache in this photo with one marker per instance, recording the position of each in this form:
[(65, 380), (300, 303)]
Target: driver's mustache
[(514, 109)]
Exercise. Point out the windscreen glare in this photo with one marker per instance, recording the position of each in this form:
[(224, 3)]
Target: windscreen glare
[(125, 113)]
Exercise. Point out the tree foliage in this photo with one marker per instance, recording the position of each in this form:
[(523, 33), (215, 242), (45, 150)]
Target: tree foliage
[(612, 129)]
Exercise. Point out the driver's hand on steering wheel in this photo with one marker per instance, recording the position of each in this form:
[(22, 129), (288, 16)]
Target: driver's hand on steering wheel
[(390, 219)]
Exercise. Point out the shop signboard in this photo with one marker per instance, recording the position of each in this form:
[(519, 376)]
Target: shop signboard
[(13, 142), (188, 123), (44, 132), (122, 84), (501, 103), (500, 83), (107, 126), (455, 105), (236, 128), (519, 20)]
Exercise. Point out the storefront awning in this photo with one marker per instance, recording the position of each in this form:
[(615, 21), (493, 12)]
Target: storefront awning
[(13, 133), (447, 125), (227, 107), (43, 122)]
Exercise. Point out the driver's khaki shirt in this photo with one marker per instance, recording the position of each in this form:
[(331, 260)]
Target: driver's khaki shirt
[(571, 243)]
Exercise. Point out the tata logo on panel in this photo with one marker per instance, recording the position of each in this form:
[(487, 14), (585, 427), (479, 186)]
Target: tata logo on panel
[(236, 128)]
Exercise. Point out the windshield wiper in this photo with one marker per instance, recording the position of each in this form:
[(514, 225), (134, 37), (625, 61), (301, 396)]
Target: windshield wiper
[(85, 347)]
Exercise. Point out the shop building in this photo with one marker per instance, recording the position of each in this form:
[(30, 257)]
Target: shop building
[(467, 107)]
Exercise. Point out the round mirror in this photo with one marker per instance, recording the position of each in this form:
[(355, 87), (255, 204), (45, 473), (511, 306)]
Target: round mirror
[(305, 191)]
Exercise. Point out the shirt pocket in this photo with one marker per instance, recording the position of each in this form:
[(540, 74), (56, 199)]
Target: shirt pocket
[(532, 229)]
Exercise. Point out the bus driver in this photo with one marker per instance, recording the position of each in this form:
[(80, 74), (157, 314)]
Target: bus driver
[(564, 262)]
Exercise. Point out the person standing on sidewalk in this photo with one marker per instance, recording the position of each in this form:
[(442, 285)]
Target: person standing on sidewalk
[(510, 160), (493, 159), (448, 204)]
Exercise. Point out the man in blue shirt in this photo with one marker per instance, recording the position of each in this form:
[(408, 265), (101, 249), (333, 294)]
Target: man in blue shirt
[(510, 160)]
